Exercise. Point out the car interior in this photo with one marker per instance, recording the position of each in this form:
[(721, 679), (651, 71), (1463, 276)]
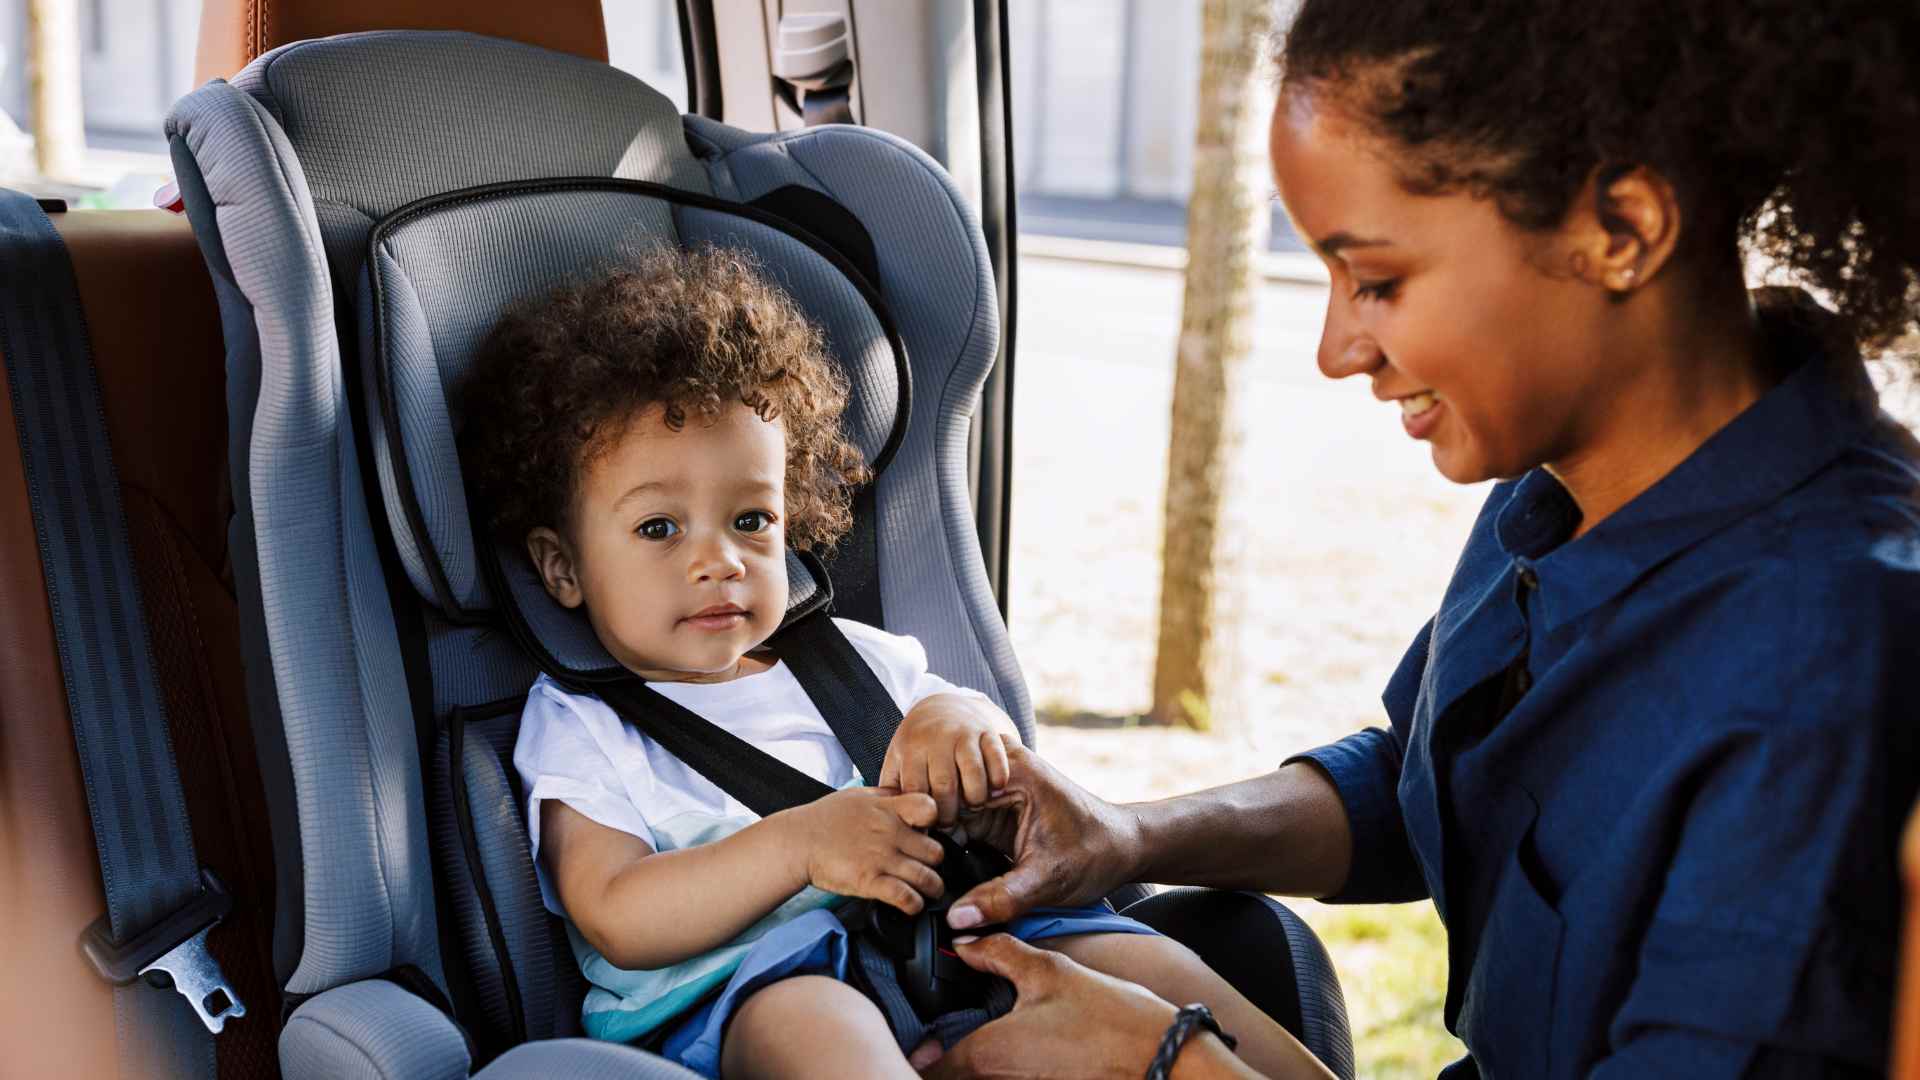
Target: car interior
[(260, 676)]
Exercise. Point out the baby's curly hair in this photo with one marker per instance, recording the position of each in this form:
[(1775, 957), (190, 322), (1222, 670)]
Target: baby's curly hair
[(561, 375), (1785, 126)]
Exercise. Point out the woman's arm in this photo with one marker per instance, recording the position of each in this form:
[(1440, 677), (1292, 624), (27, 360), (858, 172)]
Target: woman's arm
[(645, 910), (1285, 832)]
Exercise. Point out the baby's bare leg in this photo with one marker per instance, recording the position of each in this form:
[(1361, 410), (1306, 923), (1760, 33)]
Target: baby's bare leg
[(810, 1026), (1172, 971)]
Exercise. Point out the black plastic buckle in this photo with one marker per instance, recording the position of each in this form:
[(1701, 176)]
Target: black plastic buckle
[(173, 952)]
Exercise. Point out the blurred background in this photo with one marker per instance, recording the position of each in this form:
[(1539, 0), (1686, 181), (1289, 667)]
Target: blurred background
[(1334, 534)]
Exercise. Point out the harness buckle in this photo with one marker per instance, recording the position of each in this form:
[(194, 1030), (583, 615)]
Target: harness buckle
[(173, 952)]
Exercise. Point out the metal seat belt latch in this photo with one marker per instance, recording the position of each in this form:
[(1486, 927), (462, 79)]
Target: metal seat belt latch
[(173, 952)]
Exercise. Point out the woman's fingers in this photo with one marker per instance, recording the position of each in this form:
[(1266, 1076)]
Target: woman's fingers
[(999, 900), (1030, 970)]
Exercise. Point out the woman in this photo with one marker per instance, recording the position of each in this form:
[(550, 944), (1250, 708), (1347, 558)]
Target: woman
[(1650, 756)]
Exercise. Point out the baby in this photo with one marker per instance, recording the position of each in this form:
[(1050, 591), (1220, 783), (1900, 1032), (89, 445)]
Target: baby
[(658, 437)]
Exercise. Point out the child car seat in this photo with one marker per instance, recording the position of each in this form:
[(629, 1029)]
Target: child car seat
[(367, 204)]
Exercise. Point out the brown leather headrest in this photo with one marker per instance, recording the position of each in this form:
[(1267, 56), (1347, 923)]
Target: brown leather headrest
[(234, 32)]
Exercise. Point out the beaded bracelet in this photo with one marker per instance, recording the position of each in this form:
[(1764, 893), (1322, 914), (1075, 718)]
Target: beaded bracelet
[(1184, 1021)]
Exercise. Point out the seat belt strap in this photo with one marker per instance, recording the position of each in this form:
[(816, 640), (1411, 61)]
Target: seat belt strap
[(160, 901), (836, 678)]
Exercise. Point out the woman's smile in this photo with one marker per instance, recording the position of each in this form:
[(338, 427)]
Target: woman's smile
[(1420, 413)]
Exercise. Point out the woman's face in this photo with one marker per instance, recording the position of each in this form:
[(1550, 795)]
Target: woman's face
[(1441, 302)]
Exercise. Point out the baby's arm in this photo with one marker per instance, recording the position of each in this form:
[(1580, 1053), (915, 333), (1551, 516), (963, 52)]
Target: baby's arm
[(644, 910)]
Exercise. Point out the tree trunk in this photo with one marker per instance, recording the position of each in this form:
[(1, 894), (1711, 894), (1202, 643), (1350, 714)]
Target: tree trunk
[(53, 80), (1223, 220)]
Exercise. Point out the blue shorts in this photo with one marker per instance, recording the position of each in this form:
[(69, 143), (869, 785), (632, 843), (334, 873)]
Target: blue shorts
[(816, 944)]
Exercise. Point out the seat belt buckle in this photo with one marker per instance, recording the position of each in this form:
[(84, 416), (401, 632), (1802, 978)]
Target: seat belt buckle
[(173, 952)]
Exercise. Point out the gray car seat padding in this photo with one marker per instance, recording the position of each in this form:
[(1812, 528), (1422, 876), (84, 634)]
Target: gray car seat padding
[(375, 1030), (323, 605), (581, 1059), (480, 824)]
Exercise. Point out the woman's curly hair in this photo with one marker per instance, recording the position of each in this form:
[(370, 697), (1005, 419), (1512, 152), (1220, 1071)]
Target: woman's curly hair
[(561, 375), (1789, 126)]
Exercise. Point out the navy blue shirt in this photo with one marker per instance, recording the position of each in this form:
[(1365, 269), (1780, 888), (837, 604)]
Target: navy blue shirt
[(1653, 778)]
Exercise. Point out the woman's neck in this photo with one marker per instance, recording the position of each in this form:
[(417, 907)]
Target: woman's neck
[(1695, 366)]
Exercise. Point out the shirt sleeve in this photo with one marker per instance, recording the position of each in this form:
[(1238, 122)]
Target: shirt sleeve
[(1365, 769), (558, 756), (901, 663)]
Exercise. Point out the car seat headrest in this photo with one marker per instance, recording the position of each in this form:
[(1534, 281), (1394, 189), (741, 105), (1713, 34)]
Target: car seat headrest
[(381, 119), (233, 33), (439, 272)]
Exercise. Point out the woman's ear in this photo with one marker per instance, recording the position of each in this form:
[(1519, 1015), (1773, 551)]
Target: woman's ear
[(1623, 228), (554, 559)]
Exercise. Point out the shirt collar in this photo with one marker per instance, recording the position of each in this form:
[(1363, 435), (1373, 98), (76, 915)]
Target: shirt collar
[(1825, 402)]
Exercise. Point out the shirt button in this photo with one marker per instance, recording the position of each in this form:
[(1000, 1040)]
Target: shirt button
[(1529, 579)]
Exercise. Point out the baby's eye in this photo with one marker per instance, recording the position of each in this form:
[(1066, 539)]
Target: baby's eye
[(657, 528), (753, 521)]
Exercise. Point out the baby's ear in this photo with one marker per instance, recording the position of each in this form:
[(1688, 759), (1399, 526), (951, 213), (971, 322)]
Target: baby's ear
[(553, 558)]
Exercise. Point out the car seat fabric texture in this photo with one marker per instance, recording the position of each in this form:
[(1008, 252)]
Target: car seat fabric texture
[(286, 172)]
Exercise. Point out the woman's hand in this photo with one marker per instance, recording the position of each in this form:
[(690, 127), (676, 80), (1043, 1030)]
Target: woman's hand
[(869, 843), (1071, 1022), (953, 748), (1068, 847)]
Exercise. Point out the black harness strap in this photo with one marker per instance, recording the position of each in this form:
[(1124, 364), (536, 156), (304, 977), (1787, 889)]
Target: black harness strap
[(836, 678), (763, 783), (843, 686)]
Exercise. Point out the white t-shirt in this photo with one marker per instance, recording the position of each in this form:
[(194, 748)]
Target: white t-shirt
[(575, 748)]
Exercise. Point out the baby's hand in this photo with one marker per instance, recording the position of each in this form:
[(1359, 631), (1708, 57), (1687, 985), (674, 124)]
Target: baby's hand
[(948, 747), (868, 842)]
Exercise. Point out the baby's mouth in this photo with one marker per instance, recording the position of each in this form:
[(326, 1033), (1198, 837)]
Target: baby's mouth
[(717, 617), (1415, 404)]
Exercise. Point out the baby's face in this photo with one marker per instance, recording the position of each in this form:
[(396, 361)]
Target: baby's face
[(678, 545)]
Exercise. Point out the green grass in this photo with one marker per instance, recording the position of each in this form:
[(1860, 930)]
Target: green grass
[(1392, 961)]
